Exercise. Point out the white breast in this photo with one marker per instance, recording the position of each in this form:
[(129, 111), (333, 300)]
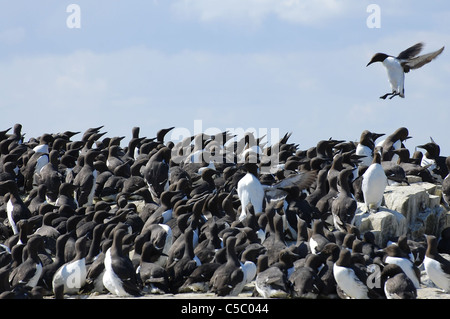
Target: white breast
[(395, 73), (110, 279), (373, 185), (9, 210), (407, 268), (250, 190), (349, 282), (72, 275), (37, 275), (365, 151), (435, 273)]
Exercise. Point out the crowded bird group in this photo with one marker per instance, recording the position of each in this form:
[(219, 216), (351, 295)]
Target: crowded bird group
[(83, 213)]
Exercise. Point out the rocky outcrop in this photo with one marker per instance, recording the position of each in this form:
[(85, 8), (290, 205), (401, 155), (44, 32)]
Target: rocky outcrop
[(385, 223), (413, 210), (420, 203)]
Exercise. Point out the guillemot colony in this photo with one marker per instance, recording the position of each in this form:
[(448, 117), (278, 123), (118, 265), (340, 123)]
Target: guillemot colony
[(141, 210)]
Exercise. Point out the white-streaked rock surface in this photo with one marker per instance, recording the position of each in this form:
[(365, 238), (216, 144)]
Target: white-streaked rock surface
[(413, 209)]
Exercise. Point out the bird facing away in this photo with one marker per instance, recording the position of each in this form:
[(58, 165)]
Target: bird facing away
[(396, 67)]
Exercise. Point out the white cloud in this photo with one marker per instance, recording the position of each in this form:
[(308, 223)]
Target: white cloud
[(307, 12)]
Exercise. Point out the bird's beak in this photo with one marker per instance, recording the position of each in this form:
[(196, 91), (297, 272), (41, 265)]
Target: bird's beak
[(369, 63), (377, 135)]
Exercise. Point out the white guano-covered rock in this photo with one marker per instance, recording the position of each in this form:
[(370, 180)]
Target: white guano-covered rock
[(413, 210), (420, 204), (385, 224)]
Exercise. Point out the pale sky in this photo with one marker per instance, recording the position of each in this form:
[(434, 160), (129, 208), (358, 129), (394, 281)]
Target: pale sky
[(294, 65)]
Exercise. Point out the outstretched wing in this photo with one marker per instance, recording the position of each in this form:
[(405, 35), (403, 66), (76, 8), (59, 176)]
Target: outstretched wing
[(411, 52), (302, 180), (420, 61)]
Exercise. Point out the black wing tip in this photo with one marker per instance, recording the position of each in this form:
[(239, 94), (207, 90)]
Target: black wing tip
[(411, 51)]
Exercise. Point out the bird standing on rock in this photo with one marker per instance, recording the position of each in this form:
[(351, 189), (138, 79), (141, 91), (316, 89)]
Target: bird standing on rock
[(374, 182)]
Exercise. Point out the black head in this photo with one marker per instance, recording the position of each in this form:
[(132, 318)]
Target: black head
[(378, 57), (251, 167), (433, 149), (375, 136), (402, 133)]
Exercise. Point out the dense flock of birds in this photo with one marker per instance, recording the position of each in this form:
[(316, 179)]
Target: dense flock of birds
[(81, 213)]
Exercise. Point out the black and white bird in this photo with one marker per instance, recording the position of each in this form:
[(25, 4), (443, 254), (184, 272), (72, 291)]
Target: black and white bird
[(396, 283), (271, 282), (374, 182), (15, 207), (156, 172), (396, 255), (228, 275), (154, 278), (317, 240), (250, 190), (436, 266), (348, 279), (72, 275), (433, 161), (397, 66), (120, 277), (344, 206), (366, 147), (29, 271), (85, 180)]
